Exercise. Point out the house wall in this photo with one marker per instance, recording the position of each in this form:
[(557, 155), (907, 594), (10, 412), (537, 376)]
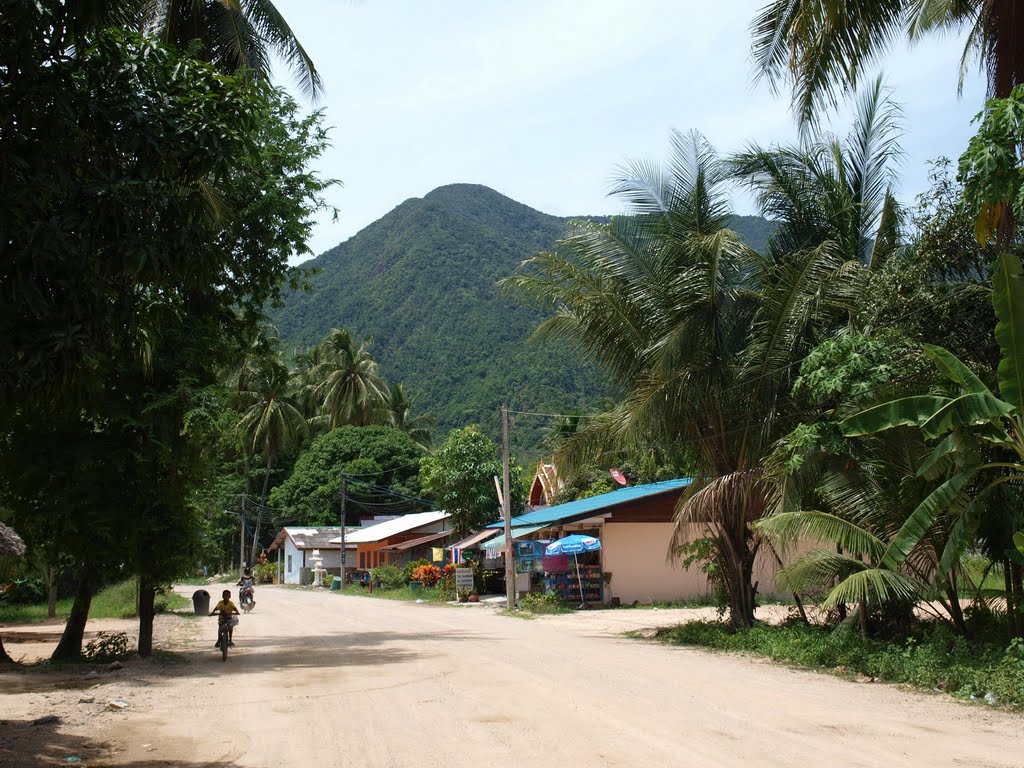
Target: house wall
[(293, 556), (635, 553), (368, 554)]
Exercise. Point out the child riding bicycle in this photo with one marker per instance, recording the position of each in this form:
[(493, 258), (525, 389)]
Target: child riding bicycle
[(228, 612)]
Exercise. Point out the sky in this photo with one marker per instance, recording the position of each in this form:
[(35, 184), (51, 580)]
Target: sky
[(542, 100)]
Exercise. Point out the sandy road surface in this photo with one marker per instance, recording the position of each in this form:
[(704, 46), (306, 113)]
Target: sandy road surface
[(325, 680)]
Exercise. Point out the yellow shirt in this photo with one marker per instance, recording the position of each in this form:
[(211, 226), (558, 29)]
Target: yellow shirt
[(225, 606)]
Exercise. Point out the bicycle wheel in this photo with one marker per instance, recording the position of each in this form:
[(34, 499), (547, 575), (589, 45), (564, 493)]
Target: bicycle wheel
[(223, 646)]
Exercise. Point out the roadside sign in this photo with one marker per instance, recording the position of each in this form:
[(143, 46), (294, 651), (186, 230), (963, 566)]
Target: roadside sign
[(464, 578)]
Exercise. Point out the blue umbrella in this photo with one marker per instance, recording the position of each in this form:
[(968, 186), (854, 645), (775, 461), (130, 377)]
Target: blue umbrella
[(573, 545)]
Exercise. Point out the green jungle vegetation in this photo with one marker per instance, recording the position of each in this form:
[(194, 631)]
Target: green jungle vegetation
[(421, 282)]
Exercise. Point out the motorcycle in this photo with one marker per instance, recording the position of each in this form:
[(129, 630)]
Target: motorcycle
[(246, 598)]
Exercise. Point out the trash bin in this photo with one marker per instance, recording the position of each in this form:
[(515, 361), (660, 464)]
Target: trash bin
[(201, 602), (336, 584)]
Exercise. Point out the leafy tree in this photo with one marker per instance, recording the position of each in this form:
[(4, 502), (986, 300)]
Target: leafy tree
[(965, 421), (383, 464), (154, 262), (236, 36), (824, 46), (460, 476)]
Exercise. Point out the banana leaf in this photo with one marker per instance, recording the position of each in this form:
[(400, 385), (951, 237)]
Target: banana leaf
[(905, 412), (1008, 300)]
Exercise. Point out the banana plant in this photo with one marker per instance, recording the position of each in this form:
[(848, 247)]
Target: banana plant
[(963, 422)]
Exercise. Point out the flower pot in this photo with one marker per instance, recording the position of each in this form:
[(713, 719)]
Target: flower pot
[(474, 598)]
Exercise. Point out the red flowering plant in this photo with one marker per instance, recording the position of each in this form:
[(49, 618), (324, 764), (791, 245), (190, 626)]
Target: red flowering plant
[(427, 575)]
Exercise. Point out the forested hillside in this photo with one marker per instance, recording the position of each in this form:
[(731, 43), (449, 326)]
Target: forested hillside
[(421, 281)]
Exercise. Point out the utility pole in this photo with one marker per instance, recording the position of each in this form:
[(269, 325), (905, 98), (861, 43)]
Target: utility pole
[(506, 513), (241, 538), (343, 483)]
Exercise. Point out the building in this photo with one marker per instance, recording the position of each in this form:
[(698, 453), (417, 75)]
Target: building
[(635, 526), (294, 549), (397, 541), (545, 486)]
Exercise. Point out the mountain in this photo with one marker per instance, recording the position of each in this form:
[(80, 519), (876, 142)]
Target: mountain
[(421, 281)]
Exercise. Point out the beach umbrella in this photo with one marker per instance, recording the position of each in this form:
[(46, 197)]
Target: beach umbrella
[(573, 545), (11, 544)]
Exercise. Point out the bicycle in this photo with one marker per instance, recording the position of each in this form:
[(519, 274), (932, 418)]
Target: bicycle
[(224, 634)]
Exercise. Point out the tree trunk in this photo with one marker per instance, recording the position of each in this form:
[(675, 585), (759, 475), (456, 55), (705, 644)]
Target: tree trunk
[(51, 597), (1006, 30), (955, 612), (863, 619), (259, 513), (147, 599), (1011, 608), (70, 646), (1016, 573)]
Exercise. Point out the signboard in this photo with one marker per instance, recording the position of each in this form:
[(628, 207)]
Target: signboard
[(464, 578)]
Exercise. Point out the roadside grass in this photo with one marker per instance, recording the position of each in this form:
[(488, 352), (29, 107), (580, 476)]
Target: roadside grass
[(978, 566), (431, 595), (116, 601), (707, 601), (932, 659)]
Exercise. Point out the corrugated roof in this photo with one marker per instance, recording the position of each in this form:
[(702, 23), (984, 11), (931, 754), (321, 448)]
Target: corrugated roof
[(307, 537), (392, 527), (581, 508), (416, 542), (473, 539), (517, 533)]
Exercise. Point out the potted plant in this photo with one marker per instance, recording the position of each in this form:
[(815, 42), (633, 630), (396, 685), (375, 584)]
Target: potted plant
[(474, 597), (463, 595)]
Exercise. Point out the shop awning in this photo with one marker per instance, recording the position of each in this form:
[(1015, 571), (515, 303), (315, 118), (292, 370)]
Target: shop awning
[(517, 533), (471, 541), (403, 546)]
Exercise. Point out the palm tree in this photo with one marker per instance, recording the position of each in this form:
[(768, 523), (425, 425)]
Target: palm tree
[(701, 333), (234, 35), (272, 421), (824, 46), (397, 412), (666, 300), (348, 384), (833, 193)]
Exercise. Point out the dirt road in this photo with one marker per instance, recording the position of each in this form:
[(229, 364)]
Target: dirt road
[(323, 680)]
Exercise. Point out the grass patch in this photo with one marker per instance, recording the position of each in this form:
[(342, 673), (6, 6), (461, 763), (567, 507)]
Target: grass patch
[(934, 659), (402, 593), (116, 601), (707, 601)]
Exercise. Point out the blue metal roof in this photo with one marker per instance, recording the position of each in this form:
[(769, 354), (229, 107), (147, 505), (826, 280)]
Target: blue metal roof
[(581, 507)]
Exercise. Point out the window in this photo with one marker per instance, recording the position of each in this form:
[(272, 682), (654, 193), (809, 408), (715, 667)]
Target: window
[(362, 560), (289, 563)]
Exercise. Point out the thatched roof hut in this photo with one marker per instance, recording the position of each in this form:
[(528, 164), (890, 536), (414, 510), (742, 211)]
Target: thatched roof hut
[(11, 544)]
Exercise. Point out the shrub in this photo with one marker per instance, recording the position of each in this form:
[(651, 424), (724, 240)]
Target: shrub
[(265, 573), (389, 576), (407, 571), (539, 602), (427, 575), (106, 647), (24, 591)]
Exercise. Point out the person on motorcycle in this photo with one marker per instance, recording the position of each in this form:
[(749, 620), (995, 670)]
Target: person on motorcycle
[(246, 583), (228, 611)]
